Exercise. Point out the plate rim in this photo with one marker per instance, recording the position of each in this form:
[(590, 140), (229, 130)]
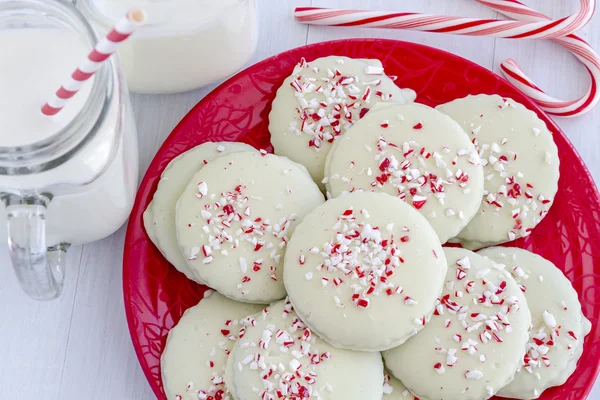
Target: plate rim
[(530, 104)]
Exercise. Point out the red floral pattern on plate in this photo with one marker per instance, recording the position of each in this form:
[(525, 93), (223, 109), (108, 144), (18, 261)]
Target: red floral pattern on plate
[(156, 295)]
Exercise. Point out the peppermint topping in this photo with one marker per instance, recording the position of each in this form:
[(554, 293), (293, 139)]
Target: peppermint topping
[(544, 335), (476, 311), (474, 374), (331, 102), (298, 378), (507, 188), (232, 330), (228, 223), (362, 257), (418, 174)]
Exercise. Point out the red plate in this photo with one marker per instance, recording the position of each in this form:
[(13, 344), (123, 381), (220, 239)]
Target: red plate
[(156, 295)]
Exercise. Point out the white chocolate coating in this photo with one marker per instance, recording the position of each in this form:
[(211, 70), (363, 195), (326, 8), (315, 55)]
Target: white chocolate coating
[(416, 153), (552, 352), (234, 220), (323, 98), (364, 271), (197, 348), (172, 182), (393, 389), (279, 353), (476, 339), (521, 167), (148, 219)]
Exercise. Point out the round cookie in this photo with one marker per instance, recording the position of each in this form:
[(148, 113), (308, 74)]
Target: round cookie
[(323, 98), (521, 167), (172, 182), (148, 220), (235, 218), (559, 326), (279, 357), (393, 389), (193, 362), (416, 153), (369, 263), (476, 339)]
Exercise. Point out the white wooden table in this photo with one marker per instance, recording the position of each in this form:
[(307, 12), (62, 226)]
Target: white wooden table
[(79, 348)]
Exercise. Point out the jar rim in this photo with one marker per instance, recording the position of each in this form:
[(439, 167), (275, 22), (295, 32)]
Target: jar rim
[(89, 7), (56, 149)]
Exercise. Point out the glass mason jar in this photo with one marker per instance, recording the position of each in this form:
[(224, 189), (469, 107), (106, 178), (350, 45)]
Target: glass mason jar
[(78, 184), (185, 44)]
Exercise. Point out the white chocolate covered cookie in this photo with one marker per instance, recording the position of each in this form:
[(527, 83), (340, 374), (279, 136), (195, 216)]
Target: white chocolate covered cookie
[(321, 100), (172, 182), (193, 362), (521, 167), (417, 154), (476, 339), (393, 389), (559, 326), (149, 226), (364, 271), (279, 357), (235, 218)]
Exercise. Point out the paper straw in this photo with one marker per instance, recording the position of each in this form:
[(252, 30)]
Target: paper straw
[(94, 60)]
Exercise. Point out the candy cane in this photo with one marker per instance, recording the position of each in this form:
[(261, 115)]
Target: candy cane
[(94, 60), (540, 29), (534, 25), (575, 44)]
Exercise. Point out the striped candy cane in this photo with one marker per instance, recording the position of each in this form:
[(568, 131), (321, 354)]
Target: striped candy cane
[(101, 52), (575, 44), (539, 29), (561, 31)]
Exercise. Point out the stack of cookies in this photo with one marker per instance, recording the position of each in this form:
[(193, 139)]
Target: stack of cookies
[(330, 280)]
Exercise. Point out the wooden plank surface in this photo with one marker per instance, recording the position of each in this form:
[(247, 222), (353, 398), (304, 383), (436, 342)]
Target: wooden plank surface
[(79, 346)]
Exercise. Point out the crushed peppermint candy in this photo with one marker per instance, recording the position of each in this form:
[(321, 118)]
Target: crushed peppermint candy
[(229, 223), (296, 379), (476, 311), (418, 174), (506, 188), (331, 102), (364, 258), (549, 319), (232, 330), (474, 374)]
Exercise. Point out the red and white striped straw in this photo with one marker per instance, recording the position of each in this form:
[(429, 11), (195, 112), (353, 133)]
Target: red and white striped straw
[(575, 44), (532, 25), (540, 29), (101, 52)]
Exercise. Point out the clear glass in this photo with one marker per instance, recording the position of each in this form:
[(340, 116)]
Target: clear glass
[(78, 185), (171, 58)]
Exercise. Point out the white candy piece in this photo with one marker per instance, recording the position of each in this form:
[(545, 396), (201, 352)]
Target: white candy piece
[(519, 167), (555, 308), (321, 100), (475, 346)]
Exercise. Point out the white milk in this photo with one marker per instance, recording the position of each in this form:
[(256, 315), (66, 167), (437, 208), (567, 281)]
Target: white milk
[(35, 63), (185, 44)]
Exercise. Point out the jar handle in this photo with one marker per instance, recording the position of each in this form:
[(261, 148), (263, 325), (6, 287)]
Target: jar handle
[(40, 270)]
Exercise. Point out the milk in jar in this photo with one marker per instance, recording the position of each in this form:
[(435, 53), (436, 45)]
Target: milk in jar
[(185, 44), (66, 179)]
